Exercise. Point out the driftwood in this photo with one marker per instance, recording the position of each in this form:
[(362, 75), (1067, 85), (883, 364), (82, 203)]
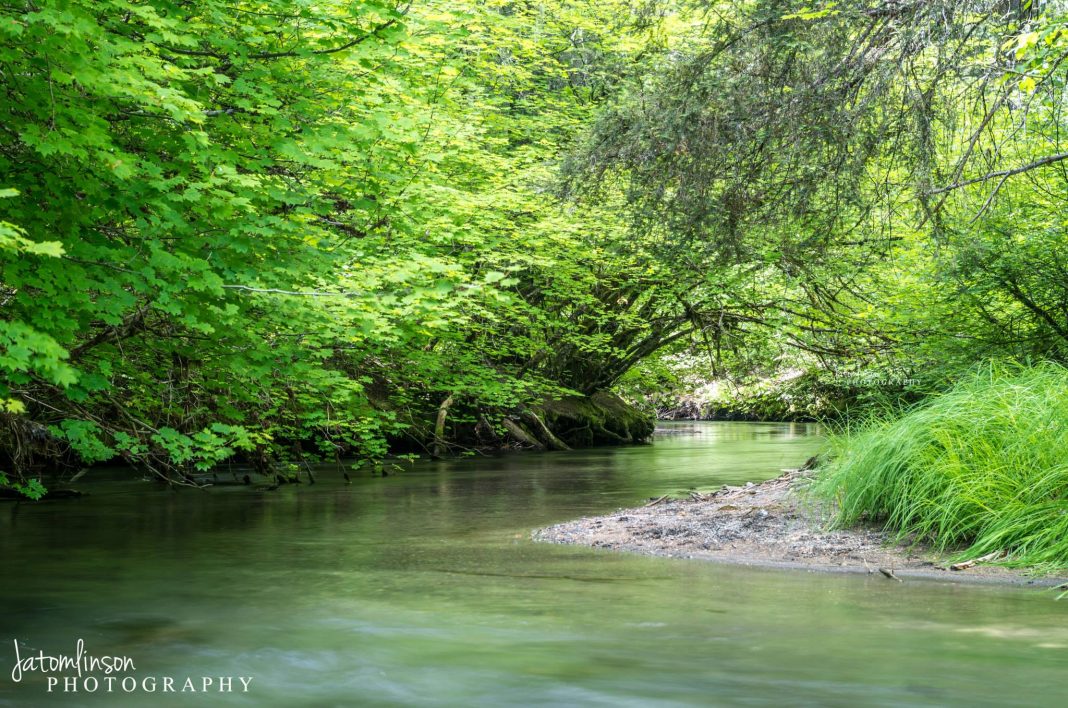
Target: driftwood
[(890, 574), (656, 501), (542, 431), (964, 565), (521, 435)]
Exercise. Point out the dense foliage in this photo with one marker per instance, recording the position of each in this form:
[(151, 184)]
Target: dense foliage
[(296, 230), (288, 229)]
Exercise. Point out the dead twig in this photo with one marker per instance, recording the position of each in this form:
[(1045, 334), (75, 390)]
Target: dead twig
[(964, 565)]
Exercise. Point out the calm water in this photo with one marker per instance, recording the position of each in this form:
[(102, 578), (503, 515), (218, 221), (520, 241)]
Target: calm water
[(424, 589)]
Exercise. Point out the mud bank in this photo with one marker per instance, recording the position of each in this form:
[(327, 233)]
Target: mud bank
[(771, 525)]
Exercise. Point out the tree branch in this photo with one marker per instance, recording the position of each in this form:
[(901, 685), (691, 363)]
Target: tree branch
[(288, 53), (1048, 160), (299, 293)]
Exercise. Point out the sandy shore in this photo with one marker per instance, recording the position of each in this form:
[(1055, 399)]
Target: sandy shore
[(769, 525)]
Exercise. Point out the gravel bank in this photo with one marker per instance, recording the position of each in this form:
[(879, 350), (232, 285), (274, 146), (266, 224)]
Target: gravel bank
[(771, 525)]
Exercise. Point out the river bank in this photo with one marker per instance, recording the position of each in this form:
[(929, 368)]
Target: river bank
[(772, 524)]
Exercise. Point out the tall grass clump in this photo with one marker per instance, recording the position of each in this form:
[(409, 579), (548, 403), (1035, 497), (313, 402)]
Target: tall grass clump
[(980, 469)]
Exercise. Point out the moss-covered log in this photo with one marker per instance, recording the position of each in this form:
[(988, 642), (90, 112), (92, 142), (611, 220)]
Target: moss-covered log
[(600, 419)]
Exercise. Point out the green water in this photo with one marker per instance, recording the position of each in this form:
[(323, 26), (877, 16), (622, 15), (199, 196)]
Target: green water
[(424, 589)]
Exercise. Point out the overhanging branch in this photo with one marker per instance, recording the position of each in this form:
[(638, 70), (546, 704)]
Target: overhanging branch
[(1003, 174)]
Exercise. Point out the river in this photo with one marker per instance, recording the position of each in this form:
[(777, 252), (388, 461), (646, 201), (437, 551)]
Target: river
[(423, 588)]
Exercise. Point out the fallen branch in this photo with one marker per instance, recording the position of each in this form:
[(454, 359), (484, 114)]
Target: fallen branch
[(890, 574), (521, 435), (964, 565), (542, 432)]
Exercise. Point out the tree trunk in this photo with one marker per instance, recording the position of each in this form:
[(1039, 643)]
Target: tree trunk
[(439, 427)]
